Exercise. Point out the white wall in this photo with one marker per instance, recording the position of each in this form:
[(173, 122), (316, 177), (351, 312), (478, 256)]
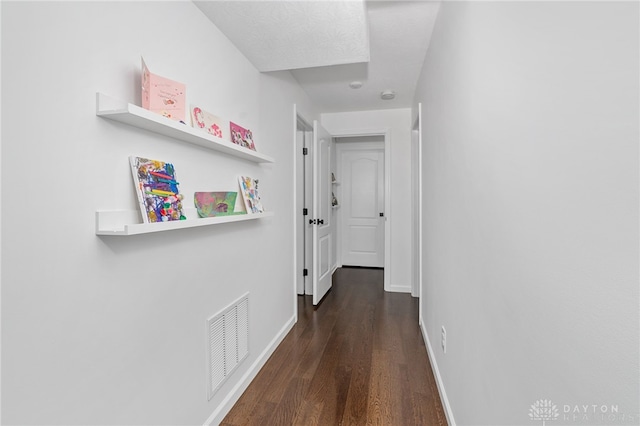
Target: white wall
[(398, 123), (112, 330), (531, 208)]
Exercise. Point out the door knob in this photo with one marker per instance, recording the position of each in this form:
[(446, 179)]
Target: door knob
[(320, 221)]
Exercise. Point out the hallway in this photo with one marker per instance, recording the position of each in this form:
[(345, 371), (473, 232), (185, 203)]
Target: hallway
[(358, 359)]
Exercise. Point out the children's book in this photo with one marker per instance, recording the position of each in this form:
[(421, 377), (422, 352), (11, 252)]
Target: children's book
[(201, 119), (157, 190), (241, 136), (163, 96), (249, 191), (211, 204)]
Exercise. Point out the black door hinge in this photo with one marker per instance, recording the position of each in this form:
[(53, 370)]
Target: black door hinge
[(305, 151), (305, 272), (305, 211)]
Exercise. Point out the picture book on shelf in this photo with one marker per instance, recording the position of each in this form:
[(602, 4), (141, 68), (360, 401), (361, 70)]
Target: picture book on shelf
[(163, 96), (201, 119), (212, 204), (249, 191), (241, 136), (157, 190)]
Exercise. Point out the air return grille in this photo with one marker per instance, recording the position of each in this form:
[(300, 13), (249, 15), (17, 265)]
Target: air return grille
[(228, 341)]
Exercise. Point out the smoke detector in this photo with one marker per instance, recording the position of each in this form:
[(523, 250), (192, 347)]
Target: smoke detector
[(387, 95)]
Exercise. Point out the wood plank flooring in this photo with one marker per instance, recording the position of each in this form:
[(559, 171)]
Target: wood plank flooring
[(357, 359)]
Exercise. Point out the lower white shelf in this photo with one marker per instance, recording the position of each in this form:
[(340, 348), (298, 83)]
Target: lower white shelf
[(123, 222)]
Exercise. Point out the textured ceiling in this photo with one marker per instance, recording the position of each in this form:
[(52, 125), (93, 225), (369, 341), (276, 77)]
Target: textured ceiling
[(399, 35), (284, 35), (328, 44)]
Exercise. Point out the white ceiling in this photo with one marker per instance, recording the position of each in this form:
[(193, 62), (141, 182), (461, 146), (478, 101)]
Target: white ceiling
[(283, 35), (328, 44)]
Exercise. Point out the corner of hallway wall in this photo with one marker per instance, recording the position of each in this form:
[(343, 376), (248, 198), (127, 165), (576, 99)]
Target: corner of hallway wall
[(122, 320), (531, 208), (436, 374), (398, 123)]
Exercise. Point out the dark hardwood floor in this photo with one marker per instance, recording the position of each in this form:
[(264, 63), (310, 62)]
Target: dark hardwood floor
[(357, 359)]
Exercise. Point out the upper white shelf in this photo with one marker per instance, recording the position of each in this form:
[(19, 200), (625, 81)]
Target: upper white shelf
[(134, 115)]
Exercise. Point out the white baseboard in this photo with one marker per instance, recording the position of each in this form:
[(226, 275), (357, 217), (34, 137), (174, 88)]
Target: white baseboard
[(232, 397), (434, 366), (398, 289)]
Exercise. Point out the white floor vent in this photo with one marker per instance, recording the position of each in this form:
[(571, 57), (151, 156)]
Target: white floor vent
[(228, 341)]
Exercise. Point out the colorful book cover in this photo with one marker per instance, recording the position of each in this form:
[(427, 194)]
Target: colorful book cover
[(163, 96), (211, 204), (157, 190), (201, 119), (241, 136), (249, 191)]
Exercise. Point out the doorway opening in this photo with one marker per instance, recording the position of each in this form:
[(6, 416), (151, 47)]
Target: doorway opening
[(313, 223), (362, 191), (417, 210), (303, 177)]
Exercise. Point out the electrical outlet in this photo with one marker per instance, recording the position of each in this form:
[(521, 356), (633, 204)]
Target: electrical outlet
[(444, 340)]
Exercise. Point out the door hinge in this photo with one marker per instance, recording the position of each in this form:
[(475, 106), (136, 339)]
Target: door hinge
[(305, 211), (305, 151), (305, 272)]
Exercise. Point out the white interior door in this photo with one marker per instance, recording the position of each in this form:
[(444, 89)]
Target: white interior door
[(321, 217), (362, 237)]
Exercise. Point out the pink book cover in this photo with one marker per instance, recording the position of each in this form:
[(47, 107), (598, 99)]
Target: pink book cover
[(201, 119), (241, 136), (163, 96)]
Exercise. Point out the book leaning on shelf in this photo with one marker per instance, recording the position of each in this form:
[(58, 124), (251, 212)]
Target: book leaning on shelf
[(157, 190), (250, 195)]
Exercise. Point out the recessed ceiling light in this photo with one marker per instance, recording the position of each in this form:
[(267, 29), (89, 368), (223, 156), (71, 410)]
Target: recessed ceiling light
[(355, 84), (387, 95)]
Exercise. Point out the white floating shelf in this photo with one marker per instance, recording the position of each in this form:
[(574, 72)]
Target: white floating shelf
[(123, 222), (134, 115)]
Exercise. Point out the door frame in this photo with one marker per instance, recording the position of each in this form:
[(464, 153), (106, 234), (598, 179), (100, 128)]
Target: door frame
[(298, 187), (417, 210), (386, 134), (343, 147)]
